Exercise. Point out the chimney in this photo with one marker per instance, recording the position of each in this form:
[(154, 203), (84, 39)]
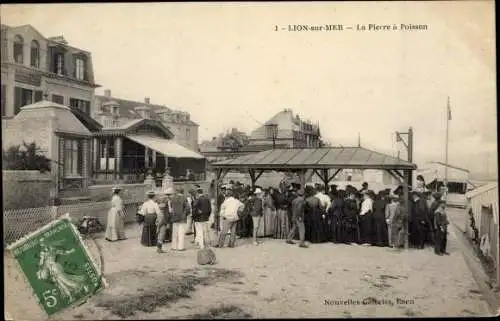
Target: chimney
[(107, 93), (147, 100)]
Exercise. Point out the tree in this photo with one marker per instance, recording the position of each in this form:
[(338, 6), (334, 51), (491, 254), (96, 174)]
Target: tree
[(25, 157)]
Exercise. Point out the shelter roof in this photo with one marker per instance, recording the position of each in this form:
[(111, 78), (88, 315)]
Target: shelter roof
[(316, 158)]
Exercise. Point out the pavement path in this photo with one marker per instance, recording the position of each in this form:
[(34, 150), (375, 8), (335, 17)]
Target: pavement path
[(280, 280)]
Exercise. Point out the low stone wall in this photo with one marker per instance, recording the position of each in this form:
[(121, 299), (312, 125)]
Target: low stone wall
[(25, 189), (131, 192)]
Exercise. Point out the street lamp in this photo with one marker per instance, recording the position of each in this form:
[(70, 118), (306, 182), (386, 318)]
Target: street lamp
[(272, 131)]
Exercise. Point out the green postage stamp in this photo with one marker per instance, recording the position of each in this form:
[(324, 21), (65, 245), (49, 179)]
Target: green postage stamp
[(58, 266)]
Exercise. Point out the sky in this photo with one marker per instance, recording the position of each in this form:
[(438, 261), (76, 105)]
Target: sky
[(226, 65)]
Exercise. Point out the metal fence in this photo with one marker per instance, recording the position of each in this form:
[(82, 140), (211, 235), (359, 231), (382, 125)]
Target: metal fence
[(18, 223)]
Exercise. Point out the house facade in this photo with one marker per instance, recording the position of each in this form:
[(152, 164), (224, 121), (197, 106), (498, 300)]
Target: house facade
[(36, 68), (62, 135), (286, 130), (111, 111)]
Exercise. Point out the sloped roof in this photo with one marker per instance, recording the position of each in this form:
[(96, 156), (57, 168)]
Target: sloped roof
[(451, 166), (64, 119), (316, 158), (127, 109), (482, 189)]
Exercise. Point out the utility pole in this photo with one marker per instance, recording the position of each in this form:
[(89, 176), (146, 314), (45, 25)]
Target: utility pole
[(448, 118), (407, 177)]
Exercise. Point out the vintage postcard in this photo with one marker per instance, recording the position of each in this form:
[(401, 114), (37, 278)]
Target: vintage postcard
[(250, 160)]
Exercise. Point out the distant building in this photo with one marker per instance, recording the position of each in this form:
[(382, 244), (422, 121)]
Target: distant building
[(231, 141), (36, 68), (115, 112), (286, 130)]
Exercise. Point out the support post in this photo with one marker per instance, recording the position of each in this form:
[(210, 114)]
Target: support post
[(106, 155), (302, 178), (252, 177), (259, 175), (95, 157), (325, 179), (334, 174), (410, 154), (216, 183), (219, 175), (396, 177), (407, 206), (119, 156)]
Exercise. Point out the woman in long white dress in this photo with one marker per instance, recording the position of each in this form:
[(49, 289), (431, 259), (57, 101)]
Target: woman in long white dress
[(115, 230)]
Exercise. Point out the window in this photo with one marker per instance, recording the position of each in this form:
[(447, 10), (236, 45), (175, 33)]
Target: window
[(71, 157), (18, 49), (22, 97), (187, 132), (38, 96), (35, 54), (457, 188), (58, 99), (3, 101), (80, 104), (58, 64), (80, 68), (271, 131)]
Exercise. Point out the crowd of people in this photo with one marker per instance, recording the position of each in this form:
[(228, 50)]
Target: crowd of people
[(309, 214)]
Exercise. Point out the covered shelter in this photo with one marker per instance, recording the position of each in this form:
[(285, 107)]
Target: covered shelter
[(317, 161), (125, 153)]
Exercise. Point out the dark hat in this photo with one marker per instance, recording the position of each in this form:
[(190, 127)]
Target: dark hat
[(199, 190), (415, 193), (179, 190), (300, 192), (151, 193)]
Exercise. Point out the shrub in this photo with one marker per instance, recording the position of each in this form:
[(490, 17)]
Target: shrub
[(25, 157)]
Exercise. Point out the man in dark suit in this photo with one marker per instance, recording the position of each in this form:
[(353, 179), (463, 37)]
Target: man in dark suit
[(419, 219), (202, 208), (178, 217), (298, 205)]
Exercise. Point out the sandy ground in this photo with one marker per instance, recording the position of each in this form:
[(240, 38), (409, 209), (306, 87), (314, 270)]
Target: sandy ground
[(279, 280)]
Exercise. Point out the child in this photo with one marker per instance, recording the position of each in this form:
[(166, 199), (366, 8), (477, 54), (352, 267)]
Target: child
[(440, 227)]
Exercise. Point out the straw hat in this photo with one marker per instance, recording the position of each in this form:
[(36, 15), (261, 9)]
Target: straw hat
[(258, 191), (116, 188), (169, 191)]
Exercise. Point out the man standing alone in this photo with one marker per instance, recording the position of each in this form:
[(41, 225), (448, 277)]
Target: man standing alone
[(178, 217), (256, 212), (202, 208), (298, 205)]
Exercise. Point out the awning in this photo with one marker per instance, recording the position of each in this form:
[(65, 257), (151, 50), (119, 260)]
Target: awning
[(166, 147)]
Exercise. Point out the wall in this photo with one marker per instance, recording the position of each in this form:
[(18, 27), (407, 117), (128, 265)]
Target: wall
[(132, 192), (26, 189)]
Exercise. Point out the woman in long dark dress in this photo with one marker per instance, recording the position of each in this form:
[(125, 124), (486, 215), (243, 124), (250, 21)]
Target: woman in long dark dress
[(281, 223), (350, 226), (147, 215), (337, 214), (244, 225), (381, 236), (313, 211)]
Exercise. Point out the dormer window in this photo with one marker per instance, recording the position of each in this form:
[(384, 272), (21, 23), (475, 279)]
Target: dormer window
[(58, 63), (35, 54), (80, 68), (115, 110), (18, 49)]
